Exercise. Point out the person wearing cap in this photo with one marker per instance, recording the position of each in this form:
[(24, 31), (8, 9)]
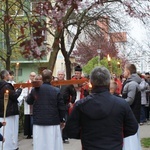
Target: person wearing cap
[(81, 89)]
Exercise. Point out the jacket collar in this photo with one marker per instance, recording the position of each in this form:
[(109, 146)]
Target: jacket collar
[(46, 83), (99, 89)]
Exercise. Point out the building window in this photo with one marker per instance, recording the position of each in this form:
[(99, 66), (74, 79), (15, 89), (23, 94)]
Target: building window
[(19, 72), (36, 5), (33, 5), (16, 10)]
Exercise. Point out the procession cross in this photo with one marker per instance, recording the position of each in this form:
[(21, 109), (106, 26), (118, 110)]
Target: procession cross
[(54, 83)]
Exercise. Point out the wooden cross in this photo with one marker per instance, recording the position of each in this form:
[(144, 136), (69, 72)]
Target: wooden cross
[(54, 83)]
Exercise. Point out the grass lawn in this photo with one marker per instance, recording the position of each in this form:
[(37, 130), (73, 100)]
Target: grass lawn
[(145, 142)]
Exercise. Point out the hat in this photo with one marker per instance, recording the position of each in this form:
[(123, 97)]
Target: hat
[(78, 68)]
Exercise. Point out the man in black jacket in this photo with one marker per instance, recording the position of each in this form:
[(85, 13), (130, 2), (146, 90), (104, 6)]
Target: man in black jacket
[(68, 93), (48, 114), (101, 119), (12, 112)]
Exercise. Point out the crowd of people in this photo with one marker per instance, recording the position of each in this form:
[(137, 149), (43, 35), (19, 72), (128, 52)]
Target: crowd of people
[(106, 115)]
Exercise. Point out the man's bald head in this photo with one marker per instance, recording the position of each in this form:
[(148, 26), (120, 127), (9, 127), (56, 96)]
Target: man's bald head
[(32, 76)]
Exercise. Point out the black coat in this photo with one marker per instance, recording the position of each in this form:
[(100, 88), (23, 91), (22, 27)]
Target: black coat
[(12, 107), (68, 93), (101, 120), (48, 105), (1, 137)]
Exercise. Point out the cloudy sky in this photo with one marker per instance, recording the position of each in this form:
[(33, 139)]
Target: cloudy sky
[(138, 31)]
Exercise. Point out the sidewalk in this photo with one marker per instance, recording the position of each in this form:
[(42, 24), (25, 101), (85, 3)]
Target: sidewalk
[(26, 144), (145, 132)]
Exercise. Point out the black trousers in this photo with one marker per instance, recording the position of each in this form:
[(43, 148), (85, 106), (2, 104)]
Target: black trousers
[(28, 125), (64, 133)]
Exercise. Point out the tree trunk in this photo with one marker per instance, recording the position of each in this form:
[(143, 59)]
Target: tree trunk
[(56, 48), (68, 68), (8, 63), (52, 60), (66, 57), (7, 38)]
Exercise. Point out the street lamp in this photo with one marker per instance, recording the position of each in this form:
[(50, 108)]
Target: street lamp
[(109, 60), (17, 68), (118, 64), (109, 63), (98, 51)]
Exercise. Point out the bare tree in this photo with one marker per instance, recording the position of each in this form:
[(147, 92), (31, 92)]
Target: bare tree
[(81, 16), (86, 50)]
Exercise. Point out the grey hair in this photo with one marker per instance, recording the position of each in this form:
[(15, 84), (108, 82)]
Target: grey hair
[(3, 74), (61, 71), (100, 76)]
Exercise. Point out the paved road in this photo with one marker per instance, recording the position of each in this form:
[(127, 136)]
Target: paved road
[(26, 144)]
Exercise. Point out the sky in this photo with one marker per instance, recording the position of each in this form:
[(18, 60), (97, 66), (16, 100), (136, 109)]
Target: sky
[(138, 32)]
